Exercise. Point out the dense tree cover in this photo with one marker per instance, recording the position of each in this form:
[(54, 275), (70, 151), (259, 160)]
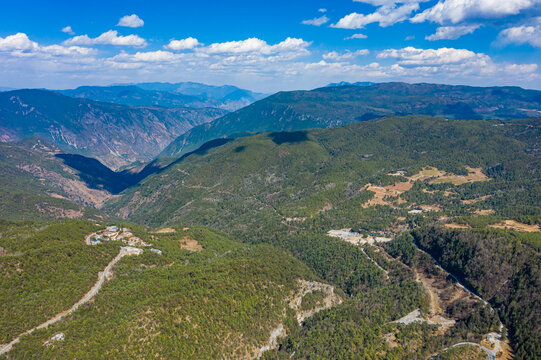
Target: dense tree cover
[(220, 302), (503, 267), (290, 192), (231, 186), (46, 268)]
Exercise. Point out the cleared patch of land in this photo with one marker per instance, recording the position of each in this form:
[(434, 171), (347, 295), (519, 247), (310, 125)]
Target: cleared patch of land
[(473, 201), (165, 231), (356, 238), (383, 192), (190, 244), (474, 174), (515, 225), (456, 226)]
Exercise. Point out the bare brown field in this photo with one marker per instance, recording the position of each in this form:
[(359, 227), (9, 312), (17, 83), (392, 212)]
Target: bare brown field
[(515, 225), (474, 175), (456, 226), (430, 207), (381, 192), (484, 212), (165, 231), (427, 173), (190, 244)]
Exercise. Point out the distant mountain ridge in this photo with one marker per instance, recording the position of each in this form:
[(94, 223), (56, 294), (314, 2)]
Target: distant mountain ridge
[(341, 105), (358, 83), (117, 135), (184, 94)]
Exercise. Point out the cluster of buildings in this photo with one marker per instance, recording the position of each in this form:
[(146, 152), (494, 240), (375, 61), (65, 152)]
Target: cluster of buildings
[(114, 233)]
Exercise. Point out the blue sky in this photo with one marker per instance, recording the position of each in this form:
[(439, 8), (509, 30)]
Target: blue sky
[(270, 46)]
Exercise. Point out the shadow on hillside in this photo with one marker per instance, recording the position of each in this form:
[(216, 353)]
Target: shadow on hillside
[(98, 176), (282, 137)]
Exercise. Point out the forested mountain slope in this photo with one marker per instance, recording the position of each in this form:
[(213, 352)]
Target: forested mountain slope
[(202, 296), (341, 105), (381, 178), (117, 135)]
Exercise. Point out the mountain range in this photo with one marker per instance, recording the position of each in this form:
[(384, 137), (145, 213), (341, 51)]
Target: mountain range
[(341, 105), (117, 135), (309, 224), (185, 94)]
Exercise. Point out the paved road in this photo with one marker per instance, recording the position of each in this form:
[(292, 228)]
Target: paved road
[(88, 296)]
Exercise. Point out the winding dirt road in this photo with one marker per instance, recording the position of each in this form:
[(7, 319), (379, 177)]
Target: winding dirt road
[(88, 296)]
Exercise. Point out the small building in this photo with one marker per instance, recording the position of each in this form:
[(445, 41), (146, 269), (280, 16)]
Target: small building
[(112, 228)]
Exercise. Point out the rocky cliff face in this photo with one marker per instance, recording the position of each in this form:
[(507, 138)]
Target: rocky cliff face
[(117, 135)]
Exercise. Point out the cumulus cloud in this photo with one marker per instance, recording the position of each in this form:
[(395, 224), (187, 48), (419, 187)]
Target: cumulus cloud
[(318, 21), (255, 45), (452, 32), (68, 30), (148, 56), (110, 37), (184, 44), (455, 11), (413, 56), (322, 10), (525, 34), (333, 55), (18, 42), (385, 15), (356, 36), (21, 46), (132, 21)]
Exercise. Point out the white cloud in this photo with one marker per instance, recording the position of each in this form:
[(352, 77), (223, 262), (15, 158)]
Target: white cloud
[(385, 15), (110, 37), (452, 32), (322, 10), (525, 34), (318, 21), (409, 37), (389, 2), (184, 44), (333, 55), (60, 50), (356, 36), (132, 21), (18, 42), (258, 46), (19, 45), (68, 30), (148, 56), (455, 11), (413, 56)]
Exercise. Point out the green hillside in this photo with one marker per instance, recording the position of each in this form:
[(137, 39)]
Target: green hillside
[(341, 105), (221, 300), (289, 189), (247, 234)]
